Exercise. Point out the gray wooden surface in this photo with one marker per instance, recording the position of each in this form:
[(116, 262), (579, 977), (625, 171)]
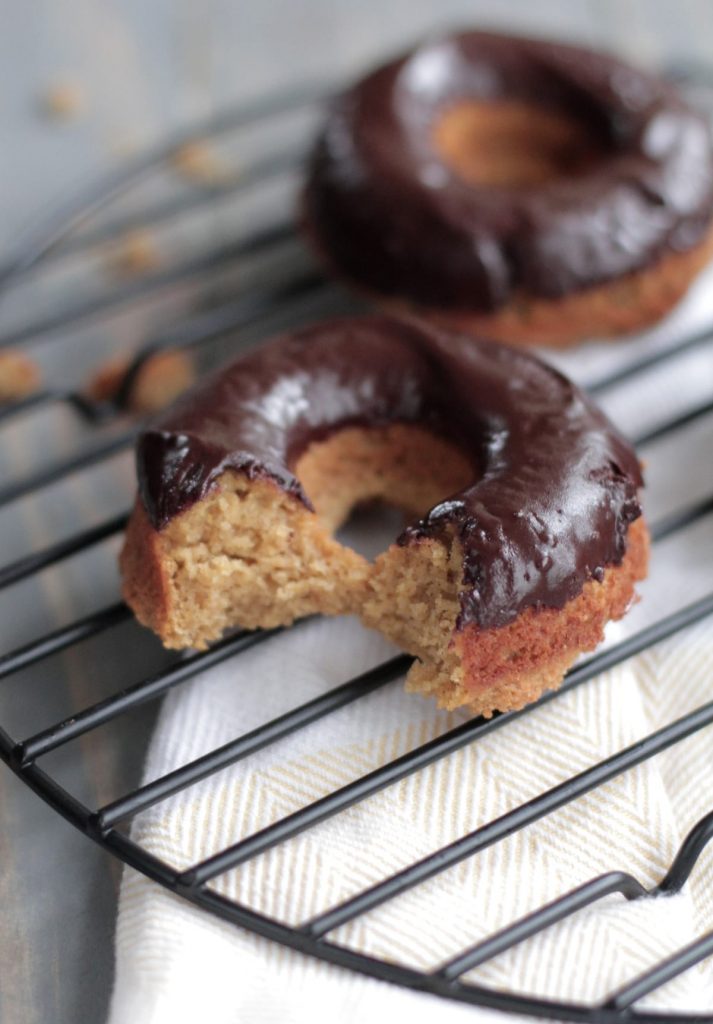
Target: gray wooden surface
[(146, 69)]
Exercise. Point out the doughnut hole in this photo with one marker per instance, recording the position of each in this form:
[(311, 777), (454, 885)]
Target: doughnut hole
[(411, 593), (401, 465), (513, 144)]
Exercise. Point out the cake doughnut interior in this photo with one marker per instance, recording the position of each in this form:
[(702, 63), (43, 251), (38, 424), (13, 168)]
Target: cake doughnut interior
[(524, 533), (528, 191)]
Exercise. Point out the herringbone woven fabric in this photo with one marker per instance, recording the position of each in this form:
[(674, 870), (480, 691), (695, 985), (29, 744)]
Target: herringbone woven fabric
[(176, 963)]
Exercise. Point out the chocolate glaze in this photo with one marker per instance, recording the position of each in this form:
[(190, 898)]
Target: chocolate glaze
[(554, 491), (391, 215)]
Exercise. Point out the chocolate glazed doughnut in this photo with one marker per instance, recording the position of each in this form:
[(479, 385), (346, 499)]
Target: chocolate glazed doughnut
[(524, 532), (524, 190)]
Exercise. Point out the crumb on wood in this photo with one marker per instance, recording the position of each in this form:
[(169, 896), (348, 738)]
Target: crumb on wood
[(104, 383), (19, 375), (199, 162), (162, 378), (159, 380), (64, 100), (135, 253)]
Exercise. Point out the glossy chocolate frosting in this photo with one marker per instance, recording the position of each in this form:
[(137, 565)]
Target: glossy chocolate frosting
[(555, 486), (388, 213)]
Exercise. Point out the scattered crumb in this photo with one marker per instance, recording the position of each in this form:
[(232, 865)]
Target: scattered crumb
[(199, 162), (159, 380), (64, 101), (135, 253), (19, 375), (105, 382)]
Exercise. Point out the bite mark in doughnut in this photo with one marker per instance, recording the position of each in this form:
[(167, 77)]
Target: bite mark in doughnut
[(525, 534)]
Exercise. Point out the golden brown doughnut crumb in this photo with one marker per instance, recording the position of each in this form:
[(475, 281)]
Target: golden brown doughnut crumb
[(64, 100), (200, 163), (135, 253), (19, 375), (105, 382), (158, 381), (253, 555), (162, 378)]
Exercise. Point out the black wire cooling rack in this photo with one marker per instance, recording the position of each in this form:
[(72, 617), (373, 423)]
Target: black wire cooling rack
[(216, 315)]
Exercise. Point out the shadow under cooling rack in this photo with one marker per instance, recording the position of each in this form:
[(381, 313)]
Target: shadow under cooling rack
[(285, 287)]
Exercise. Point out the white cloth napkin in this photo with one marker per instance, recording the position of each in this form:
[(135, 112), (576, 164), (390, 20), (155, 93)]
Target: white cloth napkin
[(175, 963)]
